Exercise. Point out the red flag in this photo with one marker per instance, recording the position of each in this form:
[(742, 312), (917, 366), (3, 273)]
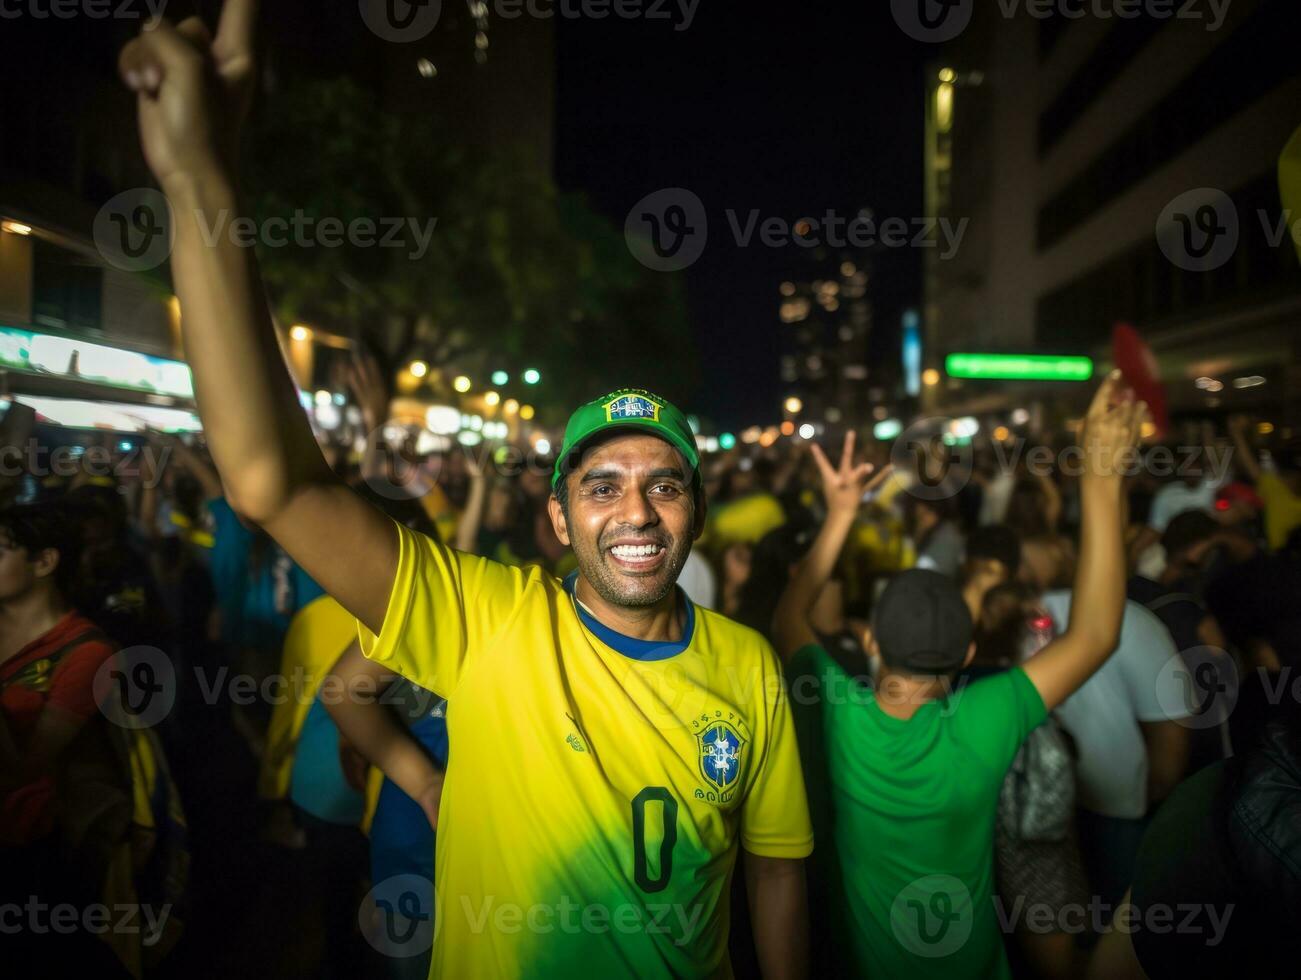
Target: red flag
[(1138, 365)]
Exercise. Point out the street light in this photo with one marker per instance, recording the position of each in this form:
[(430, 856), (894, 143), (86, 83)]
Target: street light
[(300, 333), (511, 406), (526, 412), (930, 377), (794, 406), (500, 377), (461, 384), (418, 369), (532, 377), (491, 399)]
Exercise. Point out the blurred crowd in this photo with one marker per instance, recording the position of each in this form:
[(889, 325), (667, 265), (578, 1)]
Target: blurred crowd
[(167, 739)]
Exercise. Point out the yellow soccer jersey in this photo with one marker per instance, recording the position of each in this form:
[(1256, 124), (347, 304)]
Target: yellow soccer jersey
[(597, 784)]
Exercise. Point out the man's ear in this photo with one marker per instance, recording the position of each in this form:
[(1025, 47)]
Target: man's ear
[(45, 562), (557, 515), (971, 653)]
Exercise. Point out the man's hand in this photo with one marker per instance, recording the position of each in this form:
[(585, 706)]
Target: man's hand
[(366, 382), (843, 487), (193, 90), (1111, 430)]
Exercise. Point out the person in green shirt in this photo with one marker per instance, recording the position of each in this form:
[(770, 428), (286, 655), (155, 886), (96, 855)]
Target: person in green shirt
[(915, 765)]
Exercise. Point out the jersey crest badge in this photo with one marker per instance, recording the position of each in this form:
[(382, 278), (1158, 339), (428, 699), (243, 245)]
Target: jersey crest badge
[(632, 407), (722, 758)]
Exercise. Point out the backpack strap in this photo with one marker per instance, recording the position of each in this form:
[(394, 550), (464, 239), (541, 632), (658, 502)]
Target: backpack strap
[(91, 633)]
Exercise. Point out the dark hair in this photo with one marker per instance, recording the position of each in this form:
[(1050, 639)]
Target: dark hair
[(1002, 625), (995, 542), (1027, 509), (1185, 530), (36, 527), (407, 511), (770, 563)]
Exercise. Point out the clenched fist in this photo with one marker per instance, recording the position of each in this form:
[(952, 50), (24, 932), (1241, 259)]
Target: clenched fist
[(193, 91)]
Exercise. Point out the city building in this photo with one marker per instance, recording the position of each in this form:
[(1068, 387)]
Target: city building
[(1079, 147), (826, 317)]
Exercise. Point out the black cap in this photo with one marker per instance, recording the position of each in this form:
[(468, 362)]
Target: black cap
[(921, 623)]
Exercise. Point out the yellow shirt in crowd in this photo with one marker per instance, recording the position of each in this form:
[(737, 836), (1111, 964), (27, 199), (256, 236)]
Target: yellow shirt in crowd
[(1282, 509)]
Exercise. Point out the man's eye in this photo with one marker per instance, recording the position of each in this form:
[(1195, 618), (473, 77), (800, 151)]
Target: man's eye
[(602, 490), (665, 489)]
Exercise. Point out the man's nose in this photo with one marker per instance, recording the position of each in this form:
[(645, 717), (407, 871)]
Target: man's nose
[(636, 510)]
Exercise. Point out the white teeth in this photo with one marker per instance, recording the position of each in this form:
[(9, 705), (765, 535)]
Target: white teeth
[(635, 550)]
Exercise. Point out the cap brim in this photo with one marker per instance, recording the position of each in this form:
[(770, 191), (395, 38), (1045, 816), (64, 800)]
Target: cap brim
[(633, 425)]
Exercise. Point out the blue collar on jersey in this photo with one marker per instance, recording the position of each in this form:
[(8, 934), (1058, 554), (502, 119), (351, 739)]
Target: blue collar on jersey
[(630, 646)]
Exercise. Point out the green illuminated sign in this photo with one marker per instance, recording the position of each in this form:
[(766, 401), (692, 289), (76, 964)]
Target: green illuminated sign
[(41, 353), (1019, 367)]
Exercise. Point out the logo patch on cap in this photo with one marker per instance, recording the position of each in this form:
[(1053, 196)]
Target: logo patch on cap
[(632, 407)]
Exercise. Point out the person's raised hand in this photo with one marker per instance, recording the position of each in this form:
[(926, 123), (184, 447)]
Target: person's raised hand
[(1112, 429), (366, 382), (843, 487), (193, 92)]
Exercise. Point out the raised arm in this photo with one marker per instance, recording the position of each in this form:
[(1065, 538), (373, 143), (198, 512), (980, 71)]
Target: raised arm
[(192, 94), (467, 528), (1110, 434), (1246, 456), (842, 489)]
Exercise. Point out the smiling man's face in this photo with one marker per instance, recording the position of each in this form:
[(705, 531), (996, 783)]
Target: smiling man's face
[(631, 518)]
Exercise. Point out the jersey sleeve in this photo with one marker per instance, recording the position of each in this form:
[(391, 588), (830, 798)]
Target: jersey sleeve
[(995, 714), (775, 814), (444, 609)]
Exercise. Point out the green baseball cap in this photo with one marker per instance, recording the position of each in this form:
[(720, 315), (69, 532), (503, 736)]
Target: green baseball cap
[(633, 409)]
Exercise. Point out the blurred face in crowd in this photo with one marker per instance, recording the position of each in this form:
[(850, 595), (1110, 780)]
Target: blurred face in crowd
[(630, 519), (19, 570), (534, 481), (499, 514)]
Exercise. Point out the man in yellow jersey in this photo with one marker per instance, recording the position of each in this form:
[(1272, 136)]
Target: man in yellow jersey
[(613, 745)]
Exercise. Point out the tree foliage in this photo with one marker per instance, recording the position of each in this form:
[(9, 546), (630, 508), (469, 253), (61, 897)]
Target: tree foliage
[(515, 274)]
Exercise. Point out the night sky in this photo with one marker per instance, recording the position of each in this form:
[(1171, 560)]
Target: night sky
[(788, 108), (811, 106)]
